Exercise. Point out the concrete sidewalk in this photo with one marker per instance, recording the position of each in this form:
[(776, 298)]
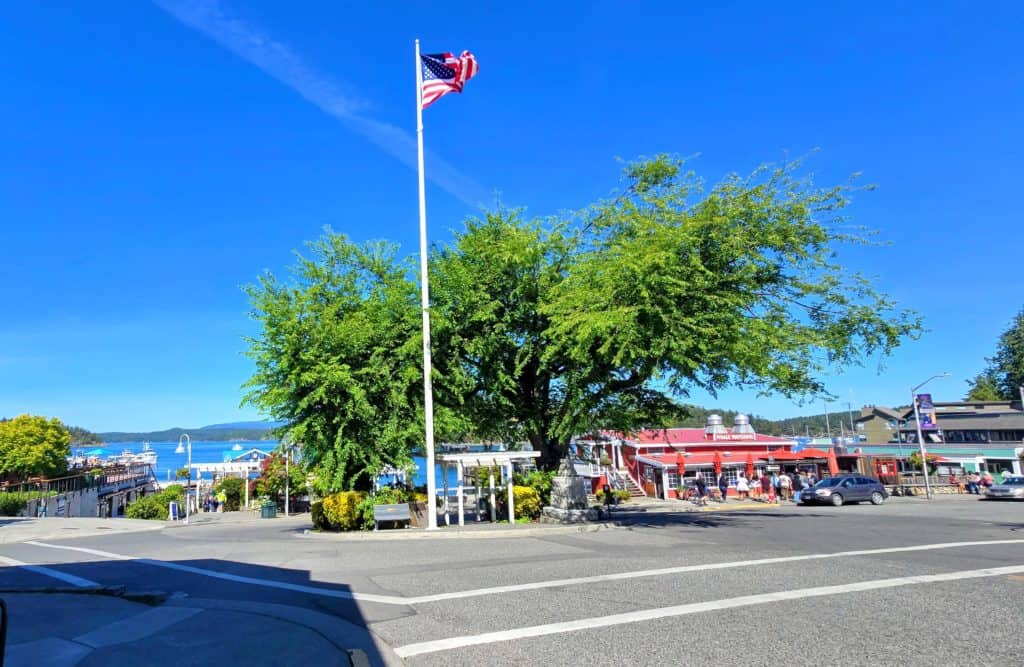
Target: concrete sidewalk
[(64, 630), (17, 529)]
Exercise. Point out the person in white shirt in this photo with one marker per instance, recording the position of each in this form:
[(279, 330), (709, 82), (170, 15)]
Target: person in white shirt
[(742, 486)]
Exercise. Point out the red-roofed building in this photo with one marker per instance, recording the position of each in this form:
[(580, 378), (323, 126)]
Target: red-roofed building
[(652, 458)]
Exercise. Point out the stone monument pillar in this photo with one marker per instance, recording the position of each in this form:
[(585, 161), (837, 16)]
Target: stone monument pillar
[(568, 497)]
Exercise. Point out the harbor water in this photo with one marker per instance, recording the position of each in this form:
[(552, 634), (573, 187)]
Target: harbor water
[(205, 451)]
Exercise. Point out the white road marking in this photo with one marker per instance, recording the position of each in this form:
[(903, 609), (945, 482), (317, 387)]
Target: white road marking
[(513, 588), (410, 650), (683, 569), (252, 581), (49, 572)]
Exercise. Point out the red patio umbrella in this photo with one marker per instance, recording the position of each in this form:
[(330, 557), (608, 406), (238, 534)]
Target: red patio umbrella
[(833, 465), (750, 465), (717, 461), (681, 464)]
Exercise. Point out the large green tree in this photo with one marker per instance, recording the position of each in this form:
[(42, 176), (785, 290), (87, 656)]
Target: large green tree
[(1004, 375), (32, 445), (607, 318), (544, 329), (338, 359)]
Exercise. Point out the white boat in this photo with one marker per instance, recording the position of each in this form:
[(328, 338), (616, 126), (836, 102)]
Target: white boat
[(236, 448), (147, 456)]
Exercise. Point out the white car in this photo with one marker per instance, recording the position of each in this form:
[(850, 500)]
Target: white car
[(1011, 488)]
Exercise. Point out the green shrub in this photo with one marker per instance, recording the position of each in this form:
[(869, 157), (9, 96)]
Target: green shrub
[(540, 482), (233, 488), (316, 511), (391, 496), (153, 508), (13, 503), (172, 492), (622, 495), (342, 510), (527, 502)]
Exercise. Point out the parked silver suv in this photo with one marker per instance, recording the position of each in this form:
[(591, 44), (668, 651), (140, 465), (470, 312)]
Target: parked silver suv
[(845, 489)]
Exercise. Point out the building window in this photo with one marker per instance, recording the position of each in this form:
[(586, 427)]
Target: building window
[(673, 480)]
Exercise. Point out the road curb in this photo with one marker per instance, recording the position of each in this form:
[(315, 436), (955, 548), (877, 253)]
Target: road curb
[(456, 533)]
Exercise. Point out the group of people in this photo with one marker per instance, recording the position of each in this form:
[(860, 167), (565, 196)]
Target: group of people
[(215, 502), (973, 482), (785, 486)]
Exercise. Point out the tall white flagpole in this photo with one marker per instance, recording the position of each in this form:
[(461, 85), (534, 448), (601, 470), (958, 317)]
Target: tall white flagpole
[(428, 390)]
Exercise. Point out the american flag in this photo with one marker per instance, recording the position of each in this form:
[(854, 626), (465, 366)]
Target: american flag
[(443, 73)]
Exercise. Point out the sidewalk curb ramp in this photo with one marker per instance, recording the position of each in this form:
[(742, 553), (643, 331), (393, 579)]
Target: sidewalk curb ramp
[(353, 641)]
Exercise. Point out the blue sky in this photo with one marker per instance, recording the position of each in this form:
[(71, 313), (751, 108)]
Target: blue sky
[(157, 157)]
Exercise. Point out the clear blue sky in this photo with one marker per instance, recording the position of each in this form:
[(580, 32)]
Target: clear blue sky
[(157, 157)]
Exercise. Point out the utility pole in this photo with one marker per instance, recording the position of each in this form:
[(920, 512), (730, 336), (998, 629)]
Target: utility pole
[(920, 435), (853, 428)]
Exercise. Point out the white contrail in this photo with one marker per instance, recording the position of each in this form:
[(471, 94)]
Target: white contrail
[(334, 98)]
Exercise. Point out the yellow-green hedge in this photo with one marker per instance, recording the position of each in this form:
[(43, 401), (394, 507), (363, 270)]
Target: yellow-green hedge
[(527, 501), (341, 510)]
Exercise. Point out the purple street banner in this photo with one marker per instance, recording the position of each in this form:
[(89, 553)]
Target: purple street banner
[(926, 409)]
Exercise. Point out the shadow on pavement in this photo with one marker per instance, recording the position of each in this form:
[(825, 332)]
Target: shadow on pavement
[(186, 612), (712, 519)]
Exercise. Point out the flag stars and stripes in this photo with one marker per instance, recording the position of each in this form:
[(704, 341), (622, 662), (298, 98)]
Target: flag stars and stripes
[(443, 73)]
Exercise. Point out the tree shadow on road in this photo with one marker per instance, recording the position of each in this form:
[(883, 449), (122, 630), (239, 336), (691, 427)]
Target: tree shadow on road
[(286, 601), (625, 518)]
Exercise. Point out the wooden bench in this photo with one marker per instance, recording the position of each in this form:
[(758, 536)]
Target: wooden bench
[(396, 512)]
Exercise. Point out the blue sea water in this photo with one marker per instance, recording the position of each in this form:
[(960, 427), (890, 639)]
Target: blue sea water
[(168, 462)]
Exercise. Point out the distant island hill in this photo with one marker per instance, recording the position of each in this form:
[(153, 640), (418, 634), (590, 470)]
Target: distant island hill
[(213, 432), (813, 425)]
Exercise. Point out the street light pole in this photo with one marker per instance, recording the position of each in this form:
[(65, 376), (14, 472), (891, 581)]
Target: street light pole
[(188, 468), (920, 435)]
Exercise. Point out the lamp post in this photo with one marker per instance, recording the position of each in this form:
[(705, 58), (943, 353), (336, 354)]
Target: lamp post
[(920, 435), (188, 467), (287, 477)]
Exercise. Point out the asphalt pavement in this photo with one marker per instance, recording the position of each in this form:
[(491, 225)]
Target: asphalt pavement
[(911, 581)]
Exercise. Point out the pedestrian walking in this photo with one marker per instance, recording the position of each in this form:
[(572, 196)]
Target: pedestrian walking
[(723, 485), (701, 488), (742, 486), (785, 483), (972, 483)]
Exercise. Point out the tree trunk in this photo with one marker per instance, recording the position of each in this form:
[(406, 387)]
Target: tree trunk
[(551, 452)]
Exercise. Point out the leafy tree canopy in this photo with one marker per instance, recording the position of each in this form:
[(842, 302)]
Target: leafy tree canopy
[(606, 318), (984, 387), (32, 445), (339, 359), (81, 436), (1004, 375), (544, 329)]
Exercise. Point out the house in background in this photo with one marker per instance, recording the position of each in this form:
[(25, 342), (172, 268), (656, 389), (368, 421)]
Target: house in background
[(878, 424)]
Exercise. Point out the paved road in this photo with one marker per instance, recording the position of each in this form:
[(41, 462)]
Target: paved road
[(793, 585)]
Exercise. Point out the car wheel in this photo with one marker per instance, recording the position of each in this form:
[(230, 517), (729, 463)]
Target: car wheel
[(877, 498), (837, 499)]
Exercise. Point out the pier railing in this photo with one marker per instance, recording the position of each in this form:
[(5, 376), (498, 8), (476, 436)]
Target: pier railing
[(106, 479)]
